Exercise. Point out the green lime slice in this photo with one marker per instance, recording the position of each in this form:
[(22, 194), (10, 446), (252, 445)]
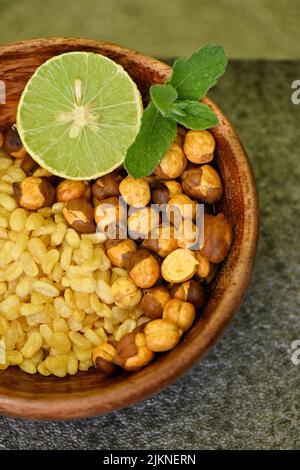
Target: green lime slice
[(78, 115)]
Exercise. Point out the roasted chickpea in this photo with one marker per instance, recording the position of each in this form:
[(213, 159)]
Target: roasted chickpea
[(162, 242), (13, 145), (181, 133), (107, 186), (70, 189), (203, 184), (179, 312), (161, 335), (103, 357), (187, 235), (142, 221), (199, 146), (96, 201), (163, 191), (174, 187), (173, 163), (33, 193), (1, 140), (143, 268), (179, 266), (181, 207), (205, 270), (189, 291), (109, 211), (32, 168), (217, 238), (154, 301), (79, 214), (136, 192), (126, 294), (40, 172), (133, 352), (159, 193), (29, 165), (117, 250)]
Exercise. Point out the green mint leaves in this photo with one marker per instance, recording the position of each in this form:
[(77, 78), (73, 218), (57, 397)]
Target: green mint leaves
[(193, 115), (152, 142), (177, 101), (164, 97), (193, 76)]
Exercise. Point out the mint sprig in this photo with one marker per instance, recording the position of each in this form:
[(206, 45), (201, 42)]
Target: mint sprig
[(176, 101), (152, 142)]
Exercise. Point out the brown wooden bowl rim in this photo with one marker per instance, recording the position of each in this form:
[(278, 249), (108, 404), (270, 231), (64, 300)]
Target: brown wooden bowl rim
[(144, 383)]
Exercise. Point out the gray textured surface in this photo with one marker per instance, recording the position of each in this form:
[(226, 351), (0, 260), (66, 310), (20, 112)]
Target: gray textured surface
[(246, 393)]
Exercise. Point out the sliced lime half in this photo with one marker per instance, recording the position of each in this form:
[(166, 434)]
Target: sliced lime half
[(78, 115)]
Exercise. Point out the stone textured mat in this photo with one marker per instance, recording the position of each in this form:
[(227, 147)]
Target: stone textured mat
[(246, 393)]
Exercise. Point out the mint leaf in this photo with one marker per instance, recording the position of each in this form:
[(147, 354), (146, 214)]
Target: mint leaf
[(152, 142), (193, 115), (193, 76), (163, 96)]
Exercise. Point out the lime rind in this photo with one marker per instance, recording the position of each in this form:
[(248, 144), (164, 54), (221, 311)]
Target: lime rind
[(78, 114)]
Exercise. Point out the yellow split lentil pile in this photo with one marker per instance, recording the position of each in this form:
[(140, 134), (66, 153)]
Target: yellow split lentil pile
[(56, 303)]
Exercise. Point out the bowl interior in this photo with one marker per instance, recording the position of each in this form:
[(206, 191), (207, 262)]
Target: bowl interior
[(89, 392)]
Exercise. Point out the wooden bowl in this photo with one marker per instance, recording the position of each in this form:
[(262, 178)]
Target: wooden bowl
[(89, 393)]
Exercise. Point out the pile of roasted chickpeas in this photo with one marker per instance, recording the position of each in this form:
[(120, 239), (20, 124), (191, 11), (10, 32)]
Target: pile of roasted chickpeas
[(166, 278)]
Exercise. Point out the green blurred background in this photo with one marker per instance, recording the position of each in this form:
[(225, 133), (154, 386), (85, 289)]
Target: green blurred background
[(264, 29)]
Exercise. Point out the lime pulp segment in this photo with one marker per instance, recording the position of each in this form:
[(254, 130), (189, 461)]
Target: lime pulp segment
[(78, 115)]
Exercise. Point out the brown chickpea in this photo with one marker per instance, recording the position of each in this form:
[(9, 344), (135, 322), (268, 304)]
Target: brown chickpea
[(103, 357), (143, 268), (161, 335), (181, 133), (179, 266), (179, 312), (136, 192), (159, 193), (109, 211), (40, 172), (95, 201), (13, 145), (1, 140), (154, 301), (163, 191), (107, 186), (203, 184), (163, 241), (189, 291), (32, 168), (199, 146), (142, 222), (79, 214), (206, 270), (117, 250), (181, 207), (173, 163), (34, 193), (70, 189), (217, 238), (133, 352), (29, 165), (187, 235), (125, 293)]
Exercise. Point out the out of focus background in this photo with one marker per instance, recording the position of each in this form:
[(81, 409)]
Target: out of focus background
[(252, 29)]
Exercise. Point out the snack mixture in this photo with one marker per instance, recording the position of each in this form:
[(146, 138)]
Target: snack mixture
[(69, 299)]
